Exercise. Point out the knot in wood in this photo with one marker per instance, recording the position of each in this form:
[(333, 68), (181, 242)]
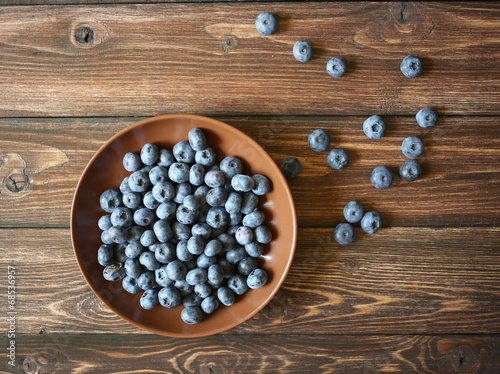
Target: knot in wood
[(84, 34), (466, 357), (229, 42), (212, 369), (16, 182)]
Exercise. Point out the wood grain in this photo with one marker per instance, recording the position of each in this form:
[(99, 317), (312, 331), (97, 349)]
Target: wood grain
[(398, 281), (149, 59), (459, 184), (64, 353)]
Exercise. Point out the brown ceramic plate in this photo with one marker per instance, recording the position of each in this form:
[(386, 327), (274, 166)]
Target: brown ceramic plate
[(105, 170)]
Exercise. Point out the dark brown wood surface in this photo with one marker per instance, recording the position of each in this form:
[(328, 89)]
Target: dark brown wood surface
[(422, 295)]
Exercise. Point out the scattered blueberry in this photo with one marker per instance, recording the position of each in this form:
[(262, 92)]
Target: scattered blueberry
[(411, 66), (371, 222), (344, 233), (319, 140), (353, 212), (266, 23), (374, 127), (335, 67), (338, 158), (302, 50), (382, 177), (412, 147), (291, 167), (426, 117), (410, 171)]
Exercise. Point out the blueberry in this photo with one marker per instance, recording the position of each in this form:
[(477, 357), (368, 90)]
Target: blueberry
[(176, 270), (382, 177), (216, 196), (178, 172), (196, 276), (164, 252), (319, 140), (139, 181), (242, 183), (235, 255), (192, 315), (202, 229), (302, 50), (117, 234), (163, 231), (149, 201), (183, 287), (371, 222), (114, 272), (374, 127), (247, 265), (215, 273), (213, 248), (166, 210), (230, 166), (244, 235), (105, 255), (412, 147), (353, 212), (203, 290), (249, 202), (227, 241), (149, 154), (205, 157), (135, 232), (201, 193), (197, 139), (426, 117), (233, 202), (129, 284), (186, 216), (217, 217), (149, 299), (261, 185), (291, 167), (182, 251), (132, 162), (105, 238), (144, 217), (119, 252), (158, 174), (104, 222), (183, 152), (257, 278), (124, 187), (238, 284), (409, 171), (266, 23), (110, 199), (338, 158), (181, 191), (228, 269), (196, 175), (263, 234), (133, 268), (148, 238), (149, 261), (335, 67), (196, 245), (235, 219), (161, 277), (226, 296), (132, 200), (192, 299), (169, 297), (163, 192), (181, 231), (134, 249), (411, 66), (165, 158), (210, 304), (254, 249), (344, 233), (214, 178)]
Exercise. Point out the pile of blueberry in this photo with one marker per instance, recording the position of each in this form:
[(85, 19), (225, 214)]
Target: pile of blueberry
[(354, 212), (184, 229)]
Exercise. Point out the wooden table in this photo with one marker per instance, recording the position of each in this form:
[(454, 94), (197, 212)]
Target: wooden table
[(421, 295)]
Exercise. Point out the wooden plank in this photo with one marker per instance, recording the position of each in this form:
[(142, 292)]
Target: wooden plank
[(459, 184), (146, 59), (99, 353), (398, 281)]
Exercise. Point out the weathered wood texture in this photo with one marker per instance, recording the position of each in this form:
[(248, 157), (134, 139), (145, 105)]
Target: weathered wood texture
[(459, 185), (149, 59), (65, 353), (399, 281)]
